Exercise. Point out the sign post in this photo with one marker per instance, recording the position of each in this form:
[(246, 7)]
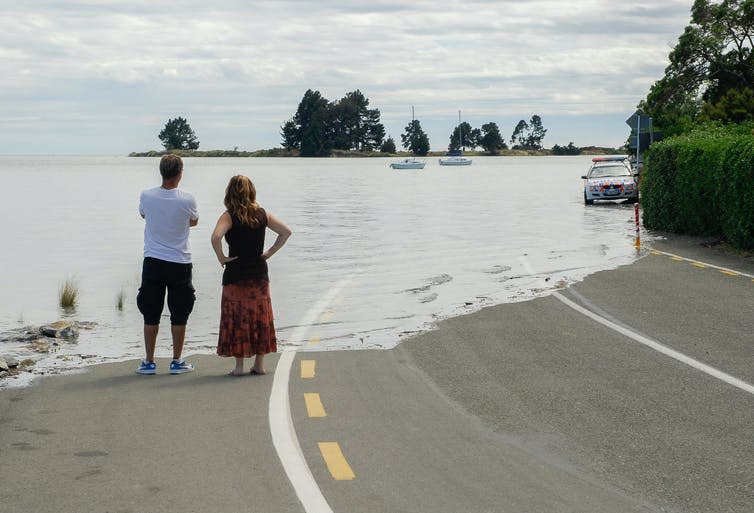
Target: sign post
[(638, 120), (638, 139)]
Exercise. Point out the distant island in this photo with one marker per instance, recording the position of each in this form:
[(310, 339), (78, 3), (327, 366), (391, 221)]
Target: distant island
[(282, 152), (274, 152), (367, 137)]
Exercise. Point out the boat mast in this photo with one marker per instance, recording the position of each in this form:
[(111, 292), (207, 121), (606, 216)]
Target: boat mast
[(460, 137)]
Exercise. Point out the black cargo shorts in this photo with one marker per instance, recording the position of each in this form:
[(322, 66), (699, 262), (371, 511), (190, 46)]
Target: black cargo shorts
[(159, 276)]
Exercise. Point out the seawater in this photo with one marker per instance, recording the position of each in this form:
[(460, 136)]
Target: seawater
[(410, 246)]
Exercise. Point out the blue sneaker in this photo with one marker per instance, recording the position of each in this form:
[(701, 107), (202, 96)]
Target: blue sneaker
[(180, 367), (146, 367)]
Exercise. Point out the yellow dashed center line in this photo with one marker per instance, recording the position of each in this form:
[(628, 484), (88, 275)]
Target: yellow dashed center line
[(701, 265), (308, 369), (331, 453), (314, 405), (336, 462)]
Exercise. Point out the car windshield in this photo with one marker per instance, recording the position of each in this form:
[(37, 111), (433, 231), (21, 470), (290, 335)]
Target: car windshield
[(603, 171)]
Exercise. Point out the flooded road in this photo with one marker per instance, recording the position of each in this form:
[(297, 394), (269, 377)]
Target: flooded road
[(412, 246)]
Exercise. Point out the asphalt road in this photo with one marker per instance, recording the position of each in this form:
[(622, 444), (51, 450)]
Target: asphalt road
[(526, 407)]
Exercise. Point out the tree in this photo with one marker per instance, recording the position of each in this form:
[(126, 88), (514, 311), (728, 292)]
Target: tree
[(464, 136), (177, 135), (536, 133), (319, 126), (388, 146), (290, 134), (374, 132), (347, 116), (737, 106), (715, 51), (518, 138), (671, 111), (309, 130), (713, 56), (529, 136), (491, 140), (313, 122), (354, 125), (566, 150), (414, 138)]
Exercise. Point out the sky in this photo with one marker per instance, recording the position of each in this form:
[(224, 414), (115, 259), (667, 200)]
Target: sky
[(103, 77)]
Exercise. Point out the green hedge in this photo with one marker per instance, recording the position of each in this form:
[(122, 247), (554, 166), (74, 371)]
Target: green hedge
[(702, 183)]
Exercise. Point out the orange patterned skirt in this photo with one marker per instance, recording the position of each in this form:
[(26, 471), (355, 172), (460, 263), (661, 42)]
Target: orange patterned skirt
[(246, 321)]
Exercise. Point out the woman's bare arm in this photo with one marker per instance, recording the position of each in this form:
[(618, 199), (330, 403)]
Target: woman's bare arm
[(223, 225), (279, 227)]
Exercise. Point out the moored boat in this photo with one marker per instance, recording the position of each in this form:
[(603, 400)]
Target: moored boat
[(455, 160), (455, 157), (409, 163)]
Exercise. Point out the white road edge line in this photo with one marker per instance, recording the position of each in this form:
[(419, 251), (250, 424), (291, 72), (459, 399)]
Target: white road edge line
[(704, 263), (696, 364), (283, 432)]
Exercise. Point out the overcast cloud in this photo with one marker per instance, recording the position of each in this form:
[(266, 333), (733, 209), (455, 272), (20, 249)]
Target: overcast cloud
[(99, 77)]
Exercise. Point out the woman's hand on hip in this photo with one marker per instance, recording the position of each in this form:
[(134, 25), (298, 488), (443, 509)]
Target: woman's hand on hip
[(224, 260)]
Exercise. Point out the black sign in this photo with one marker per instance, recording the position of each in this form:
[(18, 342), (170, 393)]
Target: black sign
[(643, 141), (641, 118)]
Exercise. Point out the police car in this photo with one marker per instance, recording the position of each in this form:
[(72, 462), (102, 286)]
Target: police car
[(610, 178)]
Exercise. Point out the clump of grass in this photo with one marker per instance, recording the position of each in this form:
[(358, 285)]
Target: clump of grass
[(120, 299), (68, 294)]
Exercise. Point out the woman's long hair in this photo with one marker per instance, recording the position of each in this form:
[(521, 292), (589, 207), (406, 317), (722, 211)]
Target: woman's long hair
[(241, 200)]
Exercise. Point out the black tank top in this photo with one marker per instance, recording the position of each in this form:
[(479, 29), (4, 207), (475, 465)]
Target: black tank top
[(247, 244)]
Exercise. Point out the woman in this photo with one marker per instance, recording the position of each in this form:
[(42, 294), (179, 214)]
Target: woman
[(246, 320)]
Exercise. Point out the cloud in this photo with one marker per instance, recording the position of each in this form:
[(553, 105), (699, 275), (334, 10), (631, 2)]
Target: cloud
[(136, 61)]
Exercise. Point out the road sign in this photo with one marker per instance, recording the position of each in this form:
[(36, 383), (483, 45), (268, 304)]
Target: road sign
[(643, 141), (643, 119)]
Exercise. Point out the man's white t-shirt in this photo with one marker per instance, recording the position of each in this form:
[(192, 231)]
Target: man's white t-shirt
[(167, 213)]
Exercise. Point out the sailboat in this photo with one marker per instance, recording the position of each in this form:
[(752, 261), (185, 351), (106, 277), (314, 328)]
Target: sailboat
[(411, 162), (456, 158)]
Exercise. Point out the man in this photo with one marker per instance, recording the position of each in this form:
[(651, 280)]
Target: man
[(169, 213)]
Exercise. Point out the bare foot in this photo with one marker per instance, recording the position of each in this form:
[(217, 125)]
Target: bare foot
[(257, 372), (236, 372)]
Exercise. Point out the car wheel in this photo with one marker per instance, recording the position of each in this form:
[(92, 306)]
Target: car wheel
[(587, 201)]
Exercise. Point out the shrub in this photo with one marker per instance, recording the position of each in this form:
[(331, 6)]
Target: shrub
[(737, 194), (701, 184)]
